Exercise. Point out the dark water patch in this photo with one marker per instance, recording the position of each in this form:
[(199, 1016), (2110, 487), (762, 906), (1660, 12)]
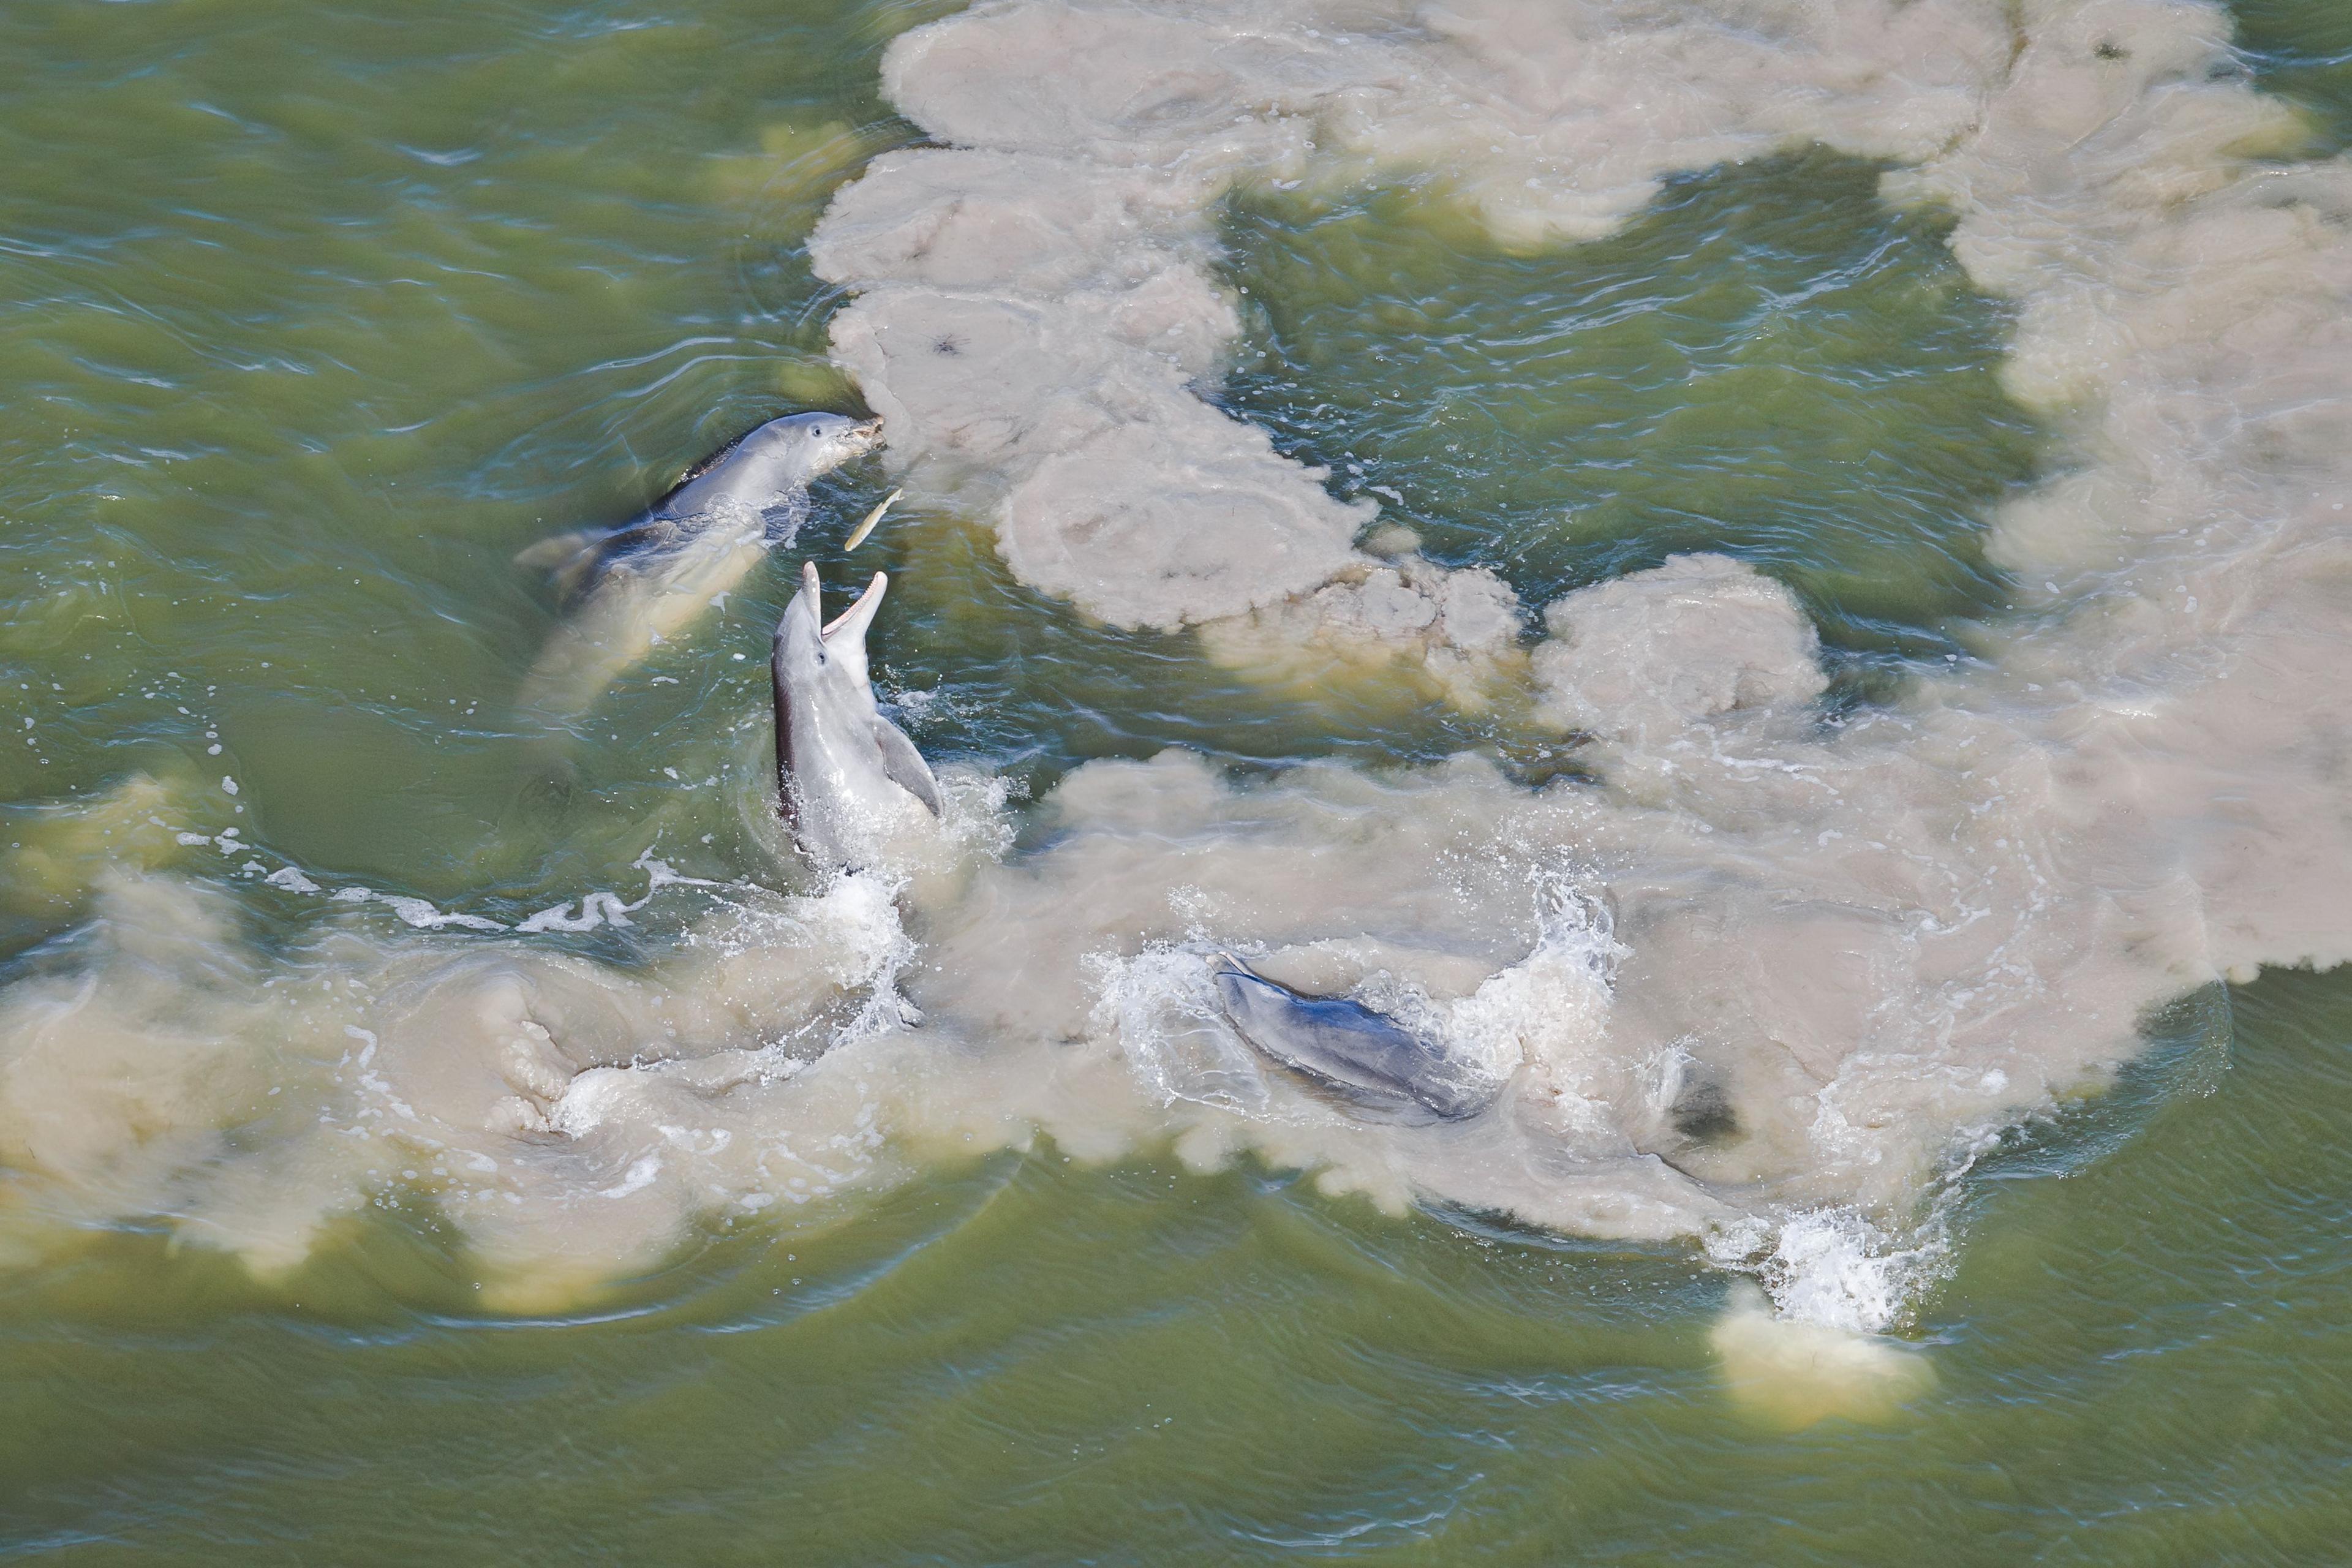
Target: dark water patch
[(1766, 361), (2301, 50)]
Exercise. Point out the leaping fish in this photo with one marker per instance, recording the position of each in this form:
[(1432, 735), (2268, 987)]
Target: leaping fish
[(629, 588)]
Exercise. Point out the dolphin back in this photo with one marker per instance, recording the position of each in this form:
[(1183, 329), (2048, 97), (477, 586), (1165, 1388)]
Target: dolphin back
[(1347, 1045), (579, 562)]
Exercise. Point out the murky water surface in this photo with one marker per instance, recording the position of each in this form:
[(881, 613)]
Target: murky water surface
[(310, 317), (1768, 362)]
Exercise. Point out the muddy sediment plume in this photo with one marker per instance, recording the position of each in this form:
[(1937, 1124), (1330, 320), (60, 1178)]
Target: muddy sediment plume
[(1765, 977)]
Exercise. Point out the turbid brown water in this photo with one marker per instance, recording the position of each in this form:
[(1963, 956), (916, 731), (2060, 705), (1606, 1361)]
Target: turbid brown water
[(311, 318)]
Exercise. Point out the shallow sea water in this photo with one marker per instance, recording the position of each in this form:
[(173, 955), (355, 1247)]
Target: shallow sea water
[(311, 318)]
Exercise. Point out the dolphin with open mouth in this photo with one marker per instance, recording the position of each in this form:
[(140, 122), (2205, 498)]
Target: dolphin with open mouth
[(628, 589), (850, 781)]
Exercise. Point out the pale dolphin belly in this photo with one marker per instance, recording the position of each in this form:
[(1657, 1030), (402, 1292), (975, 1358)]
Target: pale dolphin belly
[(637, 606)]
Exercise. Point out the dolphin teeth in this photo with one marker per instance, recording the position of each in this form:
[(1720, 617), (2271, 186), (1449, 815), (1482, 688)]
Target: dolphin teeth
[(872, 518)]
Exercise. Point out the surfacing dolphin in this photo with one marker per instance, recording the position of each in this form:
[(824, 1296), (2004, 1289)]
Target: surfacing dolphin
[(627, 589), (850, 781), (1347, 1045)]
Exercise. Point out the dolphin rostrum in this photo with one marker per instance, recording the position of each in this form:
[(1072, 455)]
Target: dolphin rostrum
[(850, 780), (628, 588), (1346, 1045)]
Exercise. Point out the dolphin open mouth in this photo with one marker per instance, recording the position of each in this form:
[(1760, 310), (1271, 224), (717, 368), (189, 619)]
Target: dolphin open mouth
[(861, 609)]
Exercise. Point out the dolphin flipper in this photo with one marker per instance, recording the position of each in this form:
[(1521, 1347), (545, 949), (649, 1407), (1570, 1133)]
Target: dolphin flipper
[(552, 554), (570, 560), (578, 561), (906, 765)]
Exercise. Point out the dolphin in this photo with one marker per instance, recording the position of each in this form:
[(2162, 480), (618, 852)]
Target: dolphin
[(1347, 1045), (848, 780), (627, 589)]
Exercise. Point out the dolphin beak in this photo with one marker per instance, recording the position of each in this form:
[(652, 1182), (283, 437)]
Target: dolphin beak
[(859, 616), (800, 619)]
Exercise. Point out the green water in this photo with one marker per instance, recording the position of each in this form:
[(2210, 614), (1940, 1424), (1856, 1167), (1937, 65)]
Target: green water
[(2303, 50), (309, 318), (1768, 362), (2140, 1363)]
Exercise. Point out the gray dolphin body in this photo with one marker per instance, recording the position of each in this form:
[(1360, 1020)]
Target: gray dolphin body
[(850, 781), (629, 588), (1347, 1045)]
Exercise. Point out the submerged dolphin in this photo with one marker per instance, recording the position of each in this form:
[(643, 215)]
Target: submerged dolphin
[(628, 588), (850, 780), (1347, 1045)]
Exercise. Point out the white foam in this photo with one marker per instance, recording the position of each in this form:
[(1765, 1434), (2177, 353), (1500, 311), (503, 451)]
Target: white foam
[(1791, 1373), (1639, 660), (425, 915), (597, 908), (1035, 306), (1912, 929)]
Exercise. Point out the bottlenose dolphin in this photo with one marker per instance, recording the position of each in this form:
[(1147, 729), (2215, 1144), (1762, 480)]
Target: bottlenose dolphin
[(1347, 1045), (628, 588), (850, 781)]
